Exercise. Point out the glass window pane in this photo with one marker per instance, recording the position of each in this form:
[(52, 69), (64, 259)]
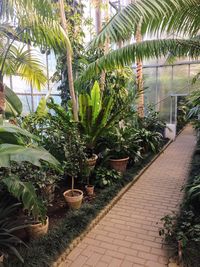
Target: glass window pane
[(20, 86), (180, 79), (26, 103), (149, 75)]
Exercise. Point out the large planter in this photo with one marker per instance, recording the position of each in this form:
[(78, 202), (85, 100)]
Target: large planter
[(119, 164), (73, 198), (38, 229)]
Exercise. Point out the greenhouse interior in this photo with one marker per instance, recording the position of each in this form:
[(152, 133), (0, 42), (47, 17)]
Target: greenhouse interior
[(99, 133)]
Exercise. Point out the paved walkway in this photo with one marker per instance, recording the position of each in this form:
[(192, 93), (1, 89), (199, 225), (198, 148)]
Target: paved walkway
[(128, 234)]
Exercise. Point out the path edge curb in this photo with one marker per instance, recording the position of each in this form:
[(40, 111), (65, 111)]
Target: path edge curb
[(107, 208)]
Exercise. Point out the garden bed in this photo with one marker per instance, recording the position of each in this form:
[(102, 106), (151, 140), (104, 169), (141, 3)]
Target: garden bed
[(59, 240)]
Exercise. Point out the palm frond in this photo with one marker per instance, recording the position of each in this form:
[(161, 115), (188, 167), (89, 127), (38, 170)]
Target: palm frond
[(158, 16), (37, 21), (144, 50), (24, 63)]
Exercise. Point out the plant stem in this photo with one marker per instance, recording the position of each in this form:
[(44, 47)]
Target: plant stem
[(72, 185)]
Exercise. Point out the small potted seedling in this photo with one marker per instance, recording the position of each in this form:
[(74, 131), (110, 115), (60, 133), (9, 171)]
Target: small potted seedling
[(89, 187)]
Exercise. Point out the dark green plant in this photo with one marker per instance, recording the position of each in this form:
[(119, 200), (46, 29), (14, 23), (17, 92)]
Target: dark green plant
[(121, 142), (75, 157), (97, 115), (25, 192), (18, 145), (43, 178), (150, 141), (151, 121), (9, 224), (105, 177)]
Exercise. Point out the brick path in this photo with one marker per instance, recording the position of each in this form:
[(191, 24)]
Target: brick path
[(128, 234)]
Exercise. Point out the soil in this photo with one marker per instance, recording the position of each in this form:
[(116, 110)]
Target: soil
[(58, 209)]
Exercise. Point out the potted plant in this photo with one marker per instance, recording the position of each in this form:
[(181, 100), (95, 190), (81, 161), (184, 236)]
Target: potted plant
[(122, 144), (96, 116), (33, 205), (75, 160)]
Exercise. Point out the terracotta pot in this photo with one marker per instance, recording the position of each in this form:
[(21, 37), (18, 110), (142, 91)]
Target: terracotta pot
[(1, 259), (89, 190), (38, 230), (73, 200), (92, 161), (119, 164)]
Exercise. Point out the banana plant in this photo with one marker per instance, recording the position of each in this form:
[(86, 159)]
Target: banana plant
[(18, 145), (96, 114), (13, 104)]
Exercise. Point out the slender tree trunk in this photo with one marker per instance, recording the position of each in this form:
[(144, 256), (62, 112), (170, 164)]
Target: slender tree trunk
[(106, 46), (2, 98), (69, 64), (139, 77)]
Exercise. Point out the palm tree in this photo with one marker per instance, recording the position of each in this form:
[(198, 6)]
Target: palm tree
[(180, 17), (27, 22)]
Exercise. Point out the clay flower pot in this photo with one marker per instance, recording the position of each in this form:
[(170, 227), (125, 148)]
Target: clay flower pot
[(119, 164), (38, 229), (73, 198), (89, 190), (91, 162)]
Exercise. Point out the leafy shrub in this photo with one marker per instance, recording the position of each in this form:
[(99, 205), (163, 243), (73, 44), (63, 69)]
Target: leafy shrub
[(106, 177)]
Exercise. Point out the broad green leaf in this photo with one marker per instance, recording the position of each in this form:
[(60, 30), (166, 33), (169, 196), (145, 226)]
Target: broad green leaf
[(17, 153), (25, 192), (95, 100), (13, 103)]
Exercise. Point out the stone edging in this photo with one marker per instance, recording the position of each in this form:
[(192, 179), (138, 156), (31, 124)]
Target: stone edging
[(100, 216)]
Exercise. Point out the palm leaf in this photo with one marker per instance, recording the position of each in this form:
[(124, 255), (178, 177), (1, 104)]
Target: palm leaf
[(158, 16), (141, 51)]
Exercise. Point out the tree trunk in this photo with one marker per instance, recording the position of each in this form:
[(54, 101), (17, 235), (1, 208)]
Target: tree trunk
[(2, 98), (139, 78), (69, 64)]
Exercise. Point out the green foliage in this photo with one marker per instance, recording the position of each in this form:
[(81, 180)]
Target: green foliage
[(150, 141), (193, 103), (121, 142), (182, 231), (105, 177), (13, 104), (97, 115), (151, 121), (25, 192), (16, 145), (9, 224)]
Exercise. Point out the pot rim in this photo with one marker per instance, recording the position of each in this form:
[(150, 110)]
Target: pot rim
[(76, 190), (94, 157), (89, 185), (40, 223), (122, 159)]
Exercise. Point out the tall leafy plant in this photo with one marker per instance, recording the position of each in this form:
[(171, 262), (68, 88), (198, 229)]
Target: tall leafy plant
[(96, 115)]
